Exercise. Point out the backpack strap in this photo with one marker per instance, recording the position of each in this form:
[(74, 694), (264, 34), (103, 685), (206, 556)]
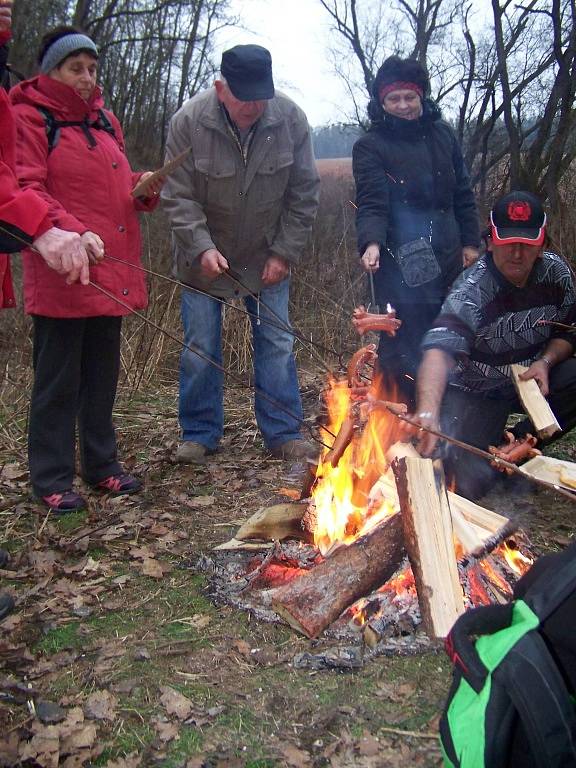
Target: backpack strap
[(54, 126), (532, 681), (553, 585), (460, 646)]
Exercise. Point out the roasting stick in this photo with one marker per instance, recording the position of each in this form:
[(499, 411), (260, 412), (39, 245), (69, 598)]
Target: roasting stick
[(571, 328), (485, 455), (207, 358)]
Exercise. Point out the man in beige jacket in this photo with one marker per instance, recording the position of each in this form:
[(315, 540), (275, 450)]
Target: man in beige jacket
[(241, 206)]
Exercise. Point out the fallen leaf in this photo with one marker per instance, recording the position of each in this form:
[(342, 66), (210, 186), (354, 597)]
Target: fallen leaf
[(101, 705), (9, 749), (175, 703), (368, 745), (153, 568), (167, 731), (50, 713), (197, 621), (132, 760), (242, 647), (291, 493), (43, 747), (10, 623), (196, 762), (294, 757), (200, 501), (121, 580), (141, 553), (13, 472)]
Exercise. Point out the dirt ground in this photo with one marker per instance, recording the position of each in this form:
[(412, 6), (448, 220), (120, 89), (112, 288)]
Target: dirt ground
[(116, 656)]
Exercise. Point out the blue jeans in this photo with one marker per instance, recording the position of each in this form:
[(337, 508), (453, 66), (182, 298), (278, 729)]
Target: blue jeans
[(201, 411)]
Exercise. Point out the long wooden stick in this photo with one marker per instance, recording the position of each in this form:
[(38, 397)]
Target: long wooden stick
[(490, 457), (571, 328)]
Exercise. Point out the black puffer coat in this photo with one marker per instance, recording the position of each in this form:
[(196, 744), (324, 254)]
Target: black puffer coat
[(411, 181)]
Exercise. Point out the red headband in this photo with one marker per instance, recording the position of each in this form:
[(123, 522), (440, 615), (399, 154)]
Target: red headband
[(399, 85)]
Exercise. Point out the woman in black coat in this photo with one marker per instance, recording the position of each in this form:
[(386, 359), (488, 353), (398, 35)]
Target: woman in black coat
[(417, 222)]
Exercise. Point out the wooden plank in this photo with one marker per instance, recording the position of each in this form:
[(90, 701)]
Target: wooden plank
[(535, 404), (142, 187), (477, 515), (429, 539)]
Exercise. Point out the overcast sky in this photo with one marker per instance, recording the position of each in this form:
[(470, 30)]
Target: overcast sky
[(297, 34)]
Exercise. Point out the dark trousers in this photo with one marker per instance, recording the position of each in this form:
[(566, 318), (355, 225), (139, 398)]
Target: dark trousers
[(480, 421), (76, 366)]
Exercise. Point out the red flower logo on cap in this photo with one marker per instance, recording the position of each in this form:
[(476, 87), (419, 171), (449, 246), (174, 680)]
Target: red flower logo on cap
[(519, 210)]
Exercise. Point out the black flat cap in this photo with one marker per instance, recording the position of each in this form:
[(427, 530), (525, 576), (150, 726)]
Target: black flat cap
[(248, 72)]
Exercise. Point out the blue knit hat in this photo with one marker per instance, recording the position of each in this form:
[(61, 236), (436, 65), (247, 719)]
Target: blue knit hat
[(65, 46)]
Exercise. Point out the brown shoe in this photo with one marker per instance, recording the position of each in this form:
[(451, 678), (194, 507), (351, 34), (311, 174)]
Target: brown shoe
[(190, 452), (296, 449)]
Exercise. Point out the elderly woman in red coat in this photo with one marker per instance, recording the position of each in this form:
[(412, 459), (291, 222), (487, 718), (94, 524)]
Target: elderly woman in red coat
[(70, 151)]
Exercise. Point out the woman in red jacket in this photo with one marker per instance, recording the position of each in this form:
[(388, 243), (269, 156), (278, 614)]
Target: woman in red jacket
[(70, 151)]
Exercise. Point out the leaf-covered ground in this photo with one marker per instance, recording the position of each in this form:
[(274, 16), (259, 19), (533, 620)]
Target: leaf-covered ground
[(115, 655)]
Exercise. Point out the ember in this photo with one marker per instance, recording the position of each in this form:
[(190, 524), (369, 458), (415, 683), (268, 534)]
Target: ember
[(371, 499)]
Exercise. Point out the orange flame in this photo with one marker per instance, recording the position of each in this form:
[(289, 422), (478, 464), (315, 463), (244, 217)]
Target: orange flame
[(518, 562), (345, 507)]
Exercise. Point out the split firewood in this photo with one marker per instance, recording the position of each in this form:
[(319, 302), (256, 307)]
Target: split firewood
[(535, 404), (429, 539), (312, 602), (365, 321), (480, 517), (514, 450), (142, 187)]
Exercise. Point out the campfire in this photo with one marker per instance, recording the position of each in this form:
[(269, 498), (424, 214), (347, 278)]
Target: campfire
[(340, 552)]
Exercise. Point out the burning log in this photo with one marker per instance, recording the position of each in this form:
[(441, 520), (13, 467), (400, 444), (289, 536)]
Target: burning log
[(429, 540), (312, 602), (535, 404)]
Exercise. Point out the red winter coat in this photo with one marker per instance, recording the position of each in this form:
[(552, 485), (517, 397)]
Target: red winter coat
[(87, 189), (20, 209)]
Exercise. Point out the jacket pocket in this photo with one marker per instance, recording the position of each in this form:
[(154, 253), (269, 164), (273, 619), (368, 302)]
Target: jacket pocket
[(271, 180), (219, 181)]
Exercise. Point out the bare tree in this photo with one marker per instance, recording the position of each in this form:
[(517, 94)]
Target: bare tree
[(510, 87), (154, 54)]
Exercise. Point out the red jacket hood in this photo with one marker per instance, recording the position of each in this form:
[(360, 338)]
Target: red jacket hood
[(60, 99)]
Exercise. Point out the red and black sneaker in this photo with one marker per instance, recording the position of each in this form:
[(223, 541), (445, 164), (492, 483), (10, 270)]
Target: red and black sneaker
[(66, 501), (120, 484)]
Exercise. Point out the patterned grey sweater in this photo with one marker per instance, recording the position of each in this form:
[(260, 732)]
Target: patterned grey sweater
[(487, 323)]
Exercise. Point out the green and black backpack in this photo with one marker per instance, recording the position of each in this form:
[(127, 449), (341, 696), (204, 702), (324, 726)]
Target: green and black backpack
[(512, 702)]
